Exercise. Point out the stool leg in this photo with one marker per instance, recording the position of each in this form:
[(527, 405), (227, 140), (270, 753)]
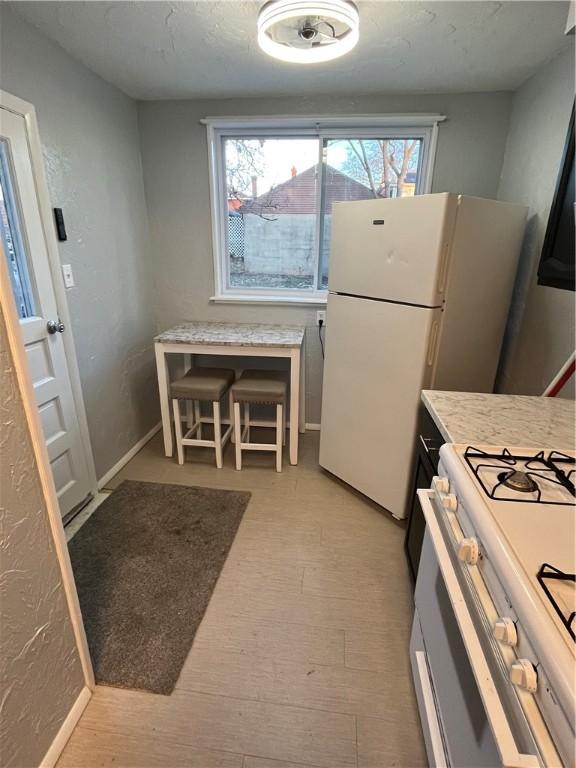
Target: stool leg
[(178, 430), (238, 435), (197, 416), (279, 433), (247, 420), (217, 433), (189, 414), (283, 424), (231, 415)]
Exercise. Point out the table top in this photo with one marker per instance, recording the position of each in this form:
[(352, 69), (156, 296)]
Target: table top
[(233, 334), (503, 420)]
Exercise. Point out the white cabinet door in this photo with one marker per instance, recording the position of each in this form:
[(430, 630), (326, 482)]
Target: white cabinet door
[(378, 357), (24, 245), (395, 249)]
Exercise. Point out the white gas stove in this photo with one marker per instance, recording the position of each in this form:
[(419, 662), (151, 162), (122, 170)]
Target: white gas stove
[(501, 536)]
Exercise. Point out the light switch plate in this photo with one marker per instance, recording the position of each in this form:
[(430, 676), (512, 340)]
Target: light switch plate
[(68, 276)]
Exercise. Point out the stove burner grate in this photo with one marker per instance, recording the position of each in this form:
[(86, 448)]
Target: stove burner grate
[(549, 572), (525, 479)]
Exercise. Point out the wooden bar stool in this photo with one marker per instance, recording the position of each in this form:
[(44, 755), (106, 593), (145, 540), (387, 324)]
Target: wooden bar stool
[(197, 385), (263, 387)]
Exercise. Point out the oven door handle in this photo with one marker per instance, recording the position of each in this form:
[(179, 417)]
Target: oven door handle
[(432, 719), (499, 725)]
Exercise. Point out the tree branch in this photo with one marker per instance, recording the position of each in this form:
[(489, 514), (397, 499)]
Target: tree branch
[(365, 164), (368, 169)]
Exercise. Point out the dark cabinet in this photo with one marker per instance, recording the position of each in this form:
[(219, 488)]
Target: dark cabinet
[(557, 261), (426, 458)]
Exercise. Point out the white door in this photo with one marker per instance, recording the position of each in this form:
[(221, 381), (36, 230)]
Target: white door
[(24, 244), (395, 249), (379, 356)]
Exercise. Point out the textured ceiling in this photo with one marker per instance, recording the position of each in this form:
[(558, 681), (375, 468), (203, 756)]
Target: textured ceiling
[(160, 50)]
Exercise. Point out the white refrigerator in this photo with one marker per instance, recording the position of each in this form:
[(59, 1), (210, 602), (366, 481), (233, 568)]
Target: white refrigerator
[(419, 290)]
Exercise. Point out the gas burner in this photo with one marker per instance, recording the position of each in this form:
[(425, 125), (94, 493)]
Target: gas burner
[(538, 478), (560, 588), (518, 481)]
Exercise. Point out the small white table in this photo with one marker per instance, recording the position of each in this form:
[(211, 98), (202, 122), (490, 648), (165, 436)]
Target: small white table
[(240, 340)]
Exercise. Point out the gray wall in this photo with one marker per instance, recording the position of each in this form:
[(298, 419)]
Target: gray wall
[(39, 664), (91, 151), (540, 334), (174, 149), (282, 245)]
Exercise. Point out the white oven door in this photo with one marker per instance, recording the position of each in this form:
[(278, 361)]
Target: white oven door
[(478, 729), (468, 740)]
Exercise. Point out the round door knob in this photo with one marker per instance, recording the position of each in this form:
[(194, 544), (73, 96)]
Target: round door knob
[(55, 326), (450, 502), (523, 674), (505, 631), (441, 484), (468, 551)]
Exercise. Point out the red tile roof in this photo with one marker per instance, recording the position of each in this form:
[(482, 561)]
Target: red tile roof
[(299, 194)]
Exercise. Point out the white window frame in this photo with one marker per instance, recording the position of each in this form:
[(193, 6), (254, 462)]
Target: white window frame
[(423, 127)]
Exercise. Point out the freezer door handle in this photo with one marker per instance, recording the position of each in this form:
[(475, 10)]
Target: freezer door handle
[(443, 270), (499, 725)]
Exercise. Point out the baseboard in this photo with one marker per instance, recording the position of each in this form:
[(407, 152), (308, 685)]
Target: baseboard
[(313, 427), (127, 456), (61, 739)]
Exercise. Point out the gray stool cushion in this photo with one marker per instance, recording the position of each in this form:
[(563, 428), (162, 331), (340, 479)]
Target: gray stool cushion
[(202, 384), (260, 387)]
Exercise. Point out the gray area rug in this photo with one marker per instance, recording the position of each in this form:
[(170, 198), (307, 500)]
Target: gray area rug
[(145, 566)]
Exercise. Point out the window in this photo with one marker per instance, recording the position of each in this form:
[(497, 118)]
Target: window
[(274, 184), (12, 239)]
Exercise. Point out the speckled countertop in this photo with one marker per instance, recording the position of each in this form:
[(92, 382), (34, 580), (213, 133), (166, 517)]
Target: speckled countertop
[(503, 420), (233, 334)]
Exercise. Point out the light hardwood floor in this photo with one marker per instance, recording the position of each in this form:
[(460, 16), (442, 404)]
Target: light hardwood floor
[(302, 656)]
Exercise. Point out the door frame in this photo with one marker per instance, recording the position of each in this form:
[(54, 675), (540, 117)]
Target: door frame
[(28, 112)]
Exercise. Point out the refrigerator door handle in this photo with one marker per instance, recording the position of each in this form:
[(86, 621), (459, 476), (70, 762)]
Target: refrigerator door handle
[(433, 342)]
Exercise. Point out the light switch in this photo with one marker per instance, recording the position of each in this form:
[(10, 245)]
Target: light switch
[(68, 276)]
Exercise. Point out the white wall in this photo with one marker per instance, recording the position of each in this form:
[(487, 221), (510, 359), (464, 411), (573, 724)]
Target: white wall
[(540, 334), (174, 149), (91, 151), (40, 666)]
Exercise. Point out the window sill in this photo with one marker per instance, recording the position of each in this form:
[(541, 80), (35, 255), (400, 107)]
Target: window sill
[(319, 299)]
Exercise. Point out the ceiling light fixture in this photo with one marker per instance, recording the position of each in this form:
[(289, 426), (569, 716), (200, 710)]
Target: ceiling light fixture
[(308, 31)]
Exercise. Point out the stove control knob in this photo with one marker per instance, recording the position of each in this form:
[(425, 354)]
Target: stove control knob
[(523, 674), (450, 502), (441, 484), (505, 631), (468, 551)]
